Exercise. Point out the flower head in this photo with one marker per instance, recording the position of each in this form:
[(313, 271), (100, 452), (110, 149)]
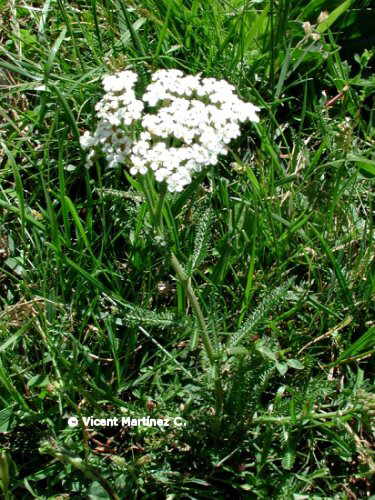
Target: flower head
[(181, 124)]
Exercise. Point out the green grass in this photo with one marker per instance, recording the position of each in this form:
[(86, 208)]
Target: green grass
[(251, 316)]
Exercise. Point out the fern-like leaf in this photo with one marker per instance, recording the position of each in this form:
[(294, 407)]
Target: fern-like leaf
[(260, 313), (202, 237), (142, 316)]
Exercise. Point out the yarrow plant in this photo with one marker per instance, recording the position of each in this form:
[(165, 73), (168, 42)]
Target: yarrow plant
[(181, 124)]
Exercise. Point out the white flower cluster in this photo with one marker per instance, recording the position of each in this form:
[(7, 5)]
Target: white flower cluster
[(118, 108), (182, 124)]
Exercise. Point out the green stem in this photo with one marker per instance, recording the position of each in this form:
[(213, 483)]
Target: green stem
[(147, 191), (157, 215), (301, 418), (77, 463), (186, 282), (159, 208), (4, 474)]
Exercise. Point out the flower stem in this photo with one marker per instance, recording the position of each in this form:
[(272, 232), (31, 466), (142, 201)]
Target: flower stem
[(211, 355), (156, 209), (196, 307), (159, 208), (145, 183)]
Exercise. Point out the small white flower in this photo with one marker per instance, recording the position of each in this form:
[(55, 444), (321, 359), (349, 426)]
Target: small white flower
[(86, 140)]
